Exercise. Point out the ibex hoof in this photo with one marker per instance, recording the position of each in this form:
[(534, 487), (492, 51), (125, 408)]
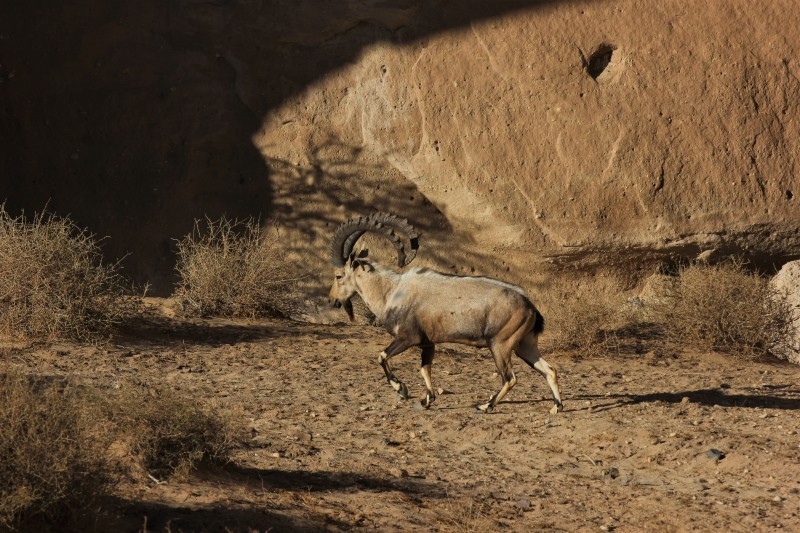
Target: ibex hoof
[(556, 409), (403, 392), (485, 409), (427, 400)]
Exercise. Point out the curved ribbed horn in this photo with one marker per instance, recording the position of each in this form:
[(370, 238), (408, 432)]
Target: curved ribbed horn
[(346, 235)]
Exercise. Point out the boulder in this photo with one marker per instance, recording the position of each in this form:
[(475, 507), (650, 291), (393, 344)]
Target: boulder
[(786, 284)]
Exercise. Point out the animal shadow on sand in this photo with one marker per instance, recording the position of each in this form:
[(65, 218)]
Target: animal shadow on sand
[(783, 397)]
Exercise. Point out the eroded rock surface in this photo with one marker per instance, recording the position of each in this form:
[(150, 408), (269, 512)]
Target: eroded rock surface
[(588, 133)]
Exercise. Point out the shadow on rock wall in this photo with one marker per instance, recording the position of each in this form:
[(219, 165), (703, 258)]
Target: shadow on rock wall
[(135, 118), (337, 183)]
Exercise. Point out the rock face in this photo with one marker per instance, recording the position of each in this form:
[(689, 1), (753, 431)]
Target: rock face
[(787, 285), (521, 137), (590, 133)]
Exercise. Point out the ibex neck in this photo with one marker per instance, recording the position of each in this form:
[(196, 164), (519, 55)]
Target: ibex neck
[(376, 287)]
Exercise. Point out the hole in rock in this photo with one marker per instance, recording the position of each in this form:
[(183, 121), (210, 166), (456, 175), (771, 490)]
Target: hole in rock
[(789, 195), (599, 60)]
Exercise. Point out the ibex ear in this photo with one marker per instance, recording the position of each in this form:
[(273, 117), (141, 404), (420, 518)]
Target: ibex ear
[(363, 253), (351, 258)]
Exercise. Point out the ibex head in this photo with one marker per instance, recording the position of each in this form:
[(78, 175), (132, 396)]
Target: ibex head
[(347, 265)]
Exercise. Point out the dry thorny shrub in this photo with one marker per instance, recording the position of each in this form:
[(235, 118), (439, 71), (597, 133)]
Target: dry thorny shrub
[(234, 268), (167, 433), (61, 447), (585, 317), (721, 307), (53, 282), (467, 516), (52, 446)]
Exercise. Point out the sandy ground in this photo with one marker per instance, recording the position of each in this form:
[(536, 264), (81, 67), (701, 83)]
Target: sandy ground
[(334, 449)]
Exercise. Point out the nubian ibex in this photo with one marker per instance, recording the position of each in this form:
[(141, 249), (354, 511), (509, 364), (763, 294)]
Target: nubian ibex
[(423, 308)]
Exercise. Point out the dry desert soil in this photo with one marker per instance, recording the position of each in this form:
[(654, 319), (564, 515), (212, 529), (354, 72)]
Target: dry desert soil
[(334, 449)]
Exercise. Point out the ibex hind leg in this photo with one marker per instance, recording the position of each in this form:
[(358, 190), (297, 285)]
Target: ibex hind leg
[(528, 351), (425, 370), (501, 347), (502, 358)]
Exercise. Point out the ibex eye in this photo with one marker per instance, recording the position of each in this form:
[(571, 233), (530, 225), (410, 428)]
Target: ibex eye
[(338, 277)]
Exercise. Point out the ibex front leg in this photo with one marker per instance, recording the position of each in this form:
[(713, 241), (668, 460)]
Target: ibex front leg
[(398, 345)]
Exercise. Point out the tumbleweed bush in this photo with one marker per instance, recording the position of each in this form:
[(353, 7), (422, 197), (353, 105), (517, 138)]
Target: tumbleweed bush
[(53, 462), (53, 281), (235, 269), (169, 433), (584, 317), (722, 307)]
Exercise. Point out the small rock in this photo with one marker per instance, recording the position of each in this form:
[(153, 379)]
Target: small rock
[(715, 454), (523, 504), (612, 472), (685, 400), (398, 472)]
